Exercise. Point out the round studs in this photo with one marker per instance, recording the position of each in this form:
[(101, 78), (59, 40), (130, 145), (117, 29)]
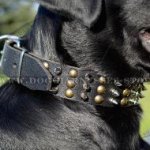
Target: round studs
[(126, 92), (99, 99), (70, 84), (124, 102), (73, 73), (102, 80), (84, 96), (46, 65), (69, 93), (101, 90)]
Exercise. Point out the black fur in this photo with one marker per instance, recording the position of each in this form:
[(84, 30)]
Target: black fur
[(104, 34)]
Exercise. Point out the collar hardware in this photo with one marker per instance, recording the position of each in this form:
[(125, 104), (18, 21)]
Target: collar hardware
[(64, 81), (20, 65)]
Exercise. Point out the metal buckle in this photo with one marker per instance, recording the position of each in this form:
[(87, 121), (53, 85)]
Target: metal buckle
[(20, 64), (15, 39)]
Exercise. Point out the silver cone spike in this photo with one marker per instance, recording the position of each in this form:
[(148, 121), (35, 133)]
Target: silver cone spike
[(115, 93), (113, 101)]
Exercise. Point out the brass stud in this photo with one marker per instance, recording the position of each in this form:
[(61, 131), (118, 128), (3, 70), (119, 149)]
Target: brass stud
[(69, 93), (126, 92), (70, 84), (46, 65), (101, 90), (73, 73), (99, 99), (102, 80), (124, 102)]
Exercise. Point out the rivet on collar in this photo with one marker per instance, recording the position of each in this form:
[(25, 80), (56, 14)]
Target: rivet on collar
[(73, 73), (102, 80), (101, 89), (126, 92), (99, 99), (124, 102), (46, 65), (69, 93), (70, 84)]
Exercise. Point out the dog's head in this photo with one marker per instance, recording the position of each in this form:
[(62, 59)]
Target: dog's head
[(112, 35)]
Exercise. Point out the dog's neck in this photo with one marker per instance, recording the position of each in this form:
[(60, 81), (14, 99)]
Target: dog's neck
[(74, 44), (44, 44), (42, 38)]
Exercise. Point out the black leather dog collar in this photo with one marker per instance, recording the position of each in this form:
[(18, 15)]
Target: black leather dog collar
[(68, 82)]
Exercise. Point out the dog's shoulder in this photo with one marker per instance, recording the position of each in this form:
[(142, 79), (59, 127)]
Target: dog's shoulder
[(31, 120)]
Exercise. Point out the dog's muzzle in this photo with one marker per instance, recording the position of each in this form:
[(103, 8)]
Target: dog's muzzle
[(144, 36), (67, 82)]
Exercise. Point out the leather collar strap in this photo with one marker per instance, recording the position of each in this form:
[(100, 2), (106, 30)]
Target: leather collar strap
[(68, 82)]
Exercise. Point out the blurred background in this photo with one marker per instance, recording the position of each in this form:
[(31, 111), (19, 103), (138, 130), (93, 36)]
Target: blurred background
[(16, 17)]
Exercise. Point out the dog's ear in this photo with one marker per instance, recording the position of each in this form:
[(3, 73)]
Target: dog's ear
[(87, 11)]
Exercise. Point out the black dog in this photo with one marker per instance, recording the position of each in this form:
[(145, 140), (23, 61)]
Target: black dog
[(111, 36)]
